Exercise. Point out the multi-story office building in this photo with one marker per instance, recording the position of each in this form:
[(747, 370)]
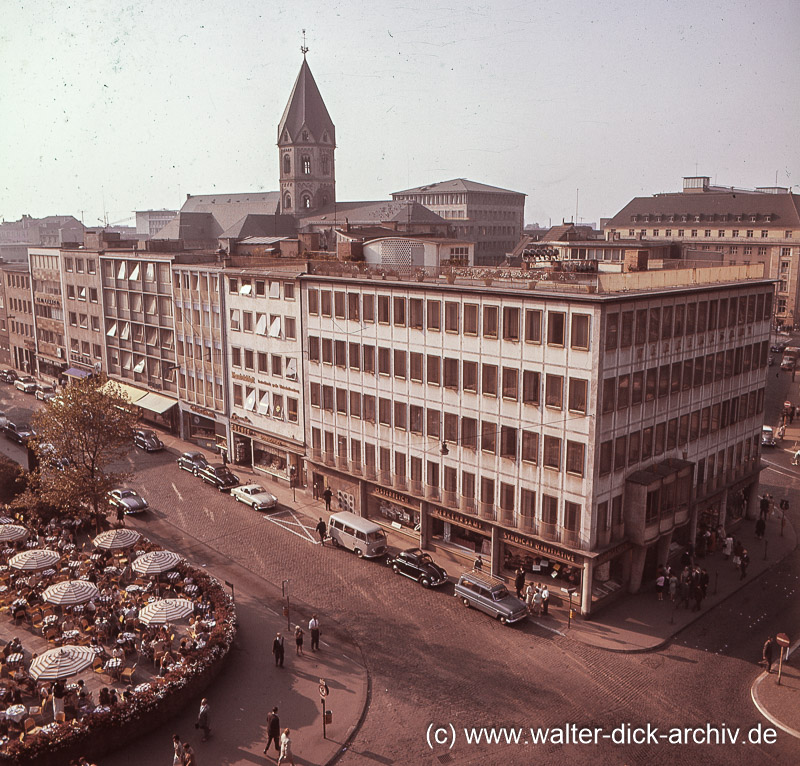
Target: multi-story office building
[(490, 217), (150, 222), (740, 225), (264, 318), (571, 429), (19, 316), (48, 310)]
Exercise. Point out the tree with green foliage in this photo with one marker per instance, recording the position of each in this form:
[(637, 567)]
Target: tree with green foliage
[(80, 434), (12, 479)]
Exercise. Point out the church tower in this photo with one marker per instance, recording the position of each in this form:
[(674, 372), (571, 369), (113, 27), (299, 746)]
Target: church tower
[(306, 143)]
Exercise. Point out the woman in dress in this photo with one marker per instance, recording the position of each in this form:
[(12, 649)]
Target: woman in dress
[(286, 748), (529, 597), (179, 757), (298, 639)]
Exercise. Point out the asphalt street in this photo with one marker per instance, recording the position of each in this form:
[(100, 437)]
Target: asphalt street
[(436, 665)]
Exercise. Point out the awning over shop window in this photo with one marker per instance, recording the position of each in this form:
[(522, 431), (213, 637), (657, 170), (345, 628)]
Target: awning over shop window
[(133, 394), (74, 372), (155, 403)]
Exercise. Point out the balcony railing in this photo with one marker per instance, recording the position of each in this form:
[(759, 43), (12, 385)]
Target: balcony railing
[(450, 498), (356, 467), (415, 487), (507, 517), (548, 531), (385, 478), (432, 492), (571, 537), (315, 453), (400, 482), (370, 472), (527, 524), (467, 504), (329, 458), (342, 462), (486, 511)]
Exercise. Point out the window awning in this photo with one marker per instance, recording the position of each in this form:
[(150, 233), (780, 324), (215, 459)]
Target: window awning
[(155, 403), (133, 394), (74, 372)]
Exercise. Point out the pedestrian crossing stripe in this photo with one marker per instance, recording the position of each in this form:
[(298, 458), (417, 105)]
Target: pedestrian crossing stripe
[(294, 524)]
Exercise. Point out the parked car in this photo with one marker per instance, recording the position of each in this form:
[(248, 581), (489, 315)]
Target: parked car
[(19, 432), (255, 496), (490, 596), (47, 454), (788, 363), (45, 392), (146, 439), (768, 437), (26, 384), (218, 476), (128, 499), (8, 375), (192, 462), (778, 347), (419, 566), (360, 535), (3, 420)]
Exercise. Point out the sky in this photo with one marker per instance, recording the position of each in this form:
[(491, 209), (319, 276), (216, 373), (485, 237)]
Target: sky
[(110, 107)]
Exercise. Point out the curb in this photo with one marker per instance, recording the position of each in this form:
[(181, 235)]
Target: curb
[(760, 706)]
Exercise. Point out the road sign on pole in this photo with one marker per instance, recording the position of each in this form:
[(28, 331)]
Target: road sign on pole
[(782, 640), (324, 691)]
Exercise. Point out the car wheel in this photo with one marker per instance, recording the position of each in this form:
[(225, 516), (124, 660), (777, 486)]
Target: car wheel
[(334, 542), (359, 553), (236, 498), (425, 582), (396, 569), (465, 602), (194, 472)]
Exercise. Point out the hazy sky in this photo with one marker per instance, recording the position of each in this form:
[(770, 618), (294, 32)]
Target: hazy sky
[(108, 107)]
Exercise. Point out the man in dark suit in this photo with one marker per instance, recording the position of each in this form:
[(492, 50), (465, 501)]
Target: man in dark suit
[(277, 650), (273, 730)]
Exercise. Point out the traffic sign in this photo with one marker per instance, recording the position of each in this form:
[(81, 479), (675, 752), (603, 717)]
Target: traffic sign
[(782, 639)]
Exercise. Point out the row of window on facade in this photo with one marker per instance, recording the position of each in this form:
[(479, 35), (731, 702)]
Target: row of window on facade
[(265, 403), (639, 446), (79, 264), (136, 302), (136, 271), (623, 391), (263, 324), (464, 318), (196, 388), (138, 333), (269, 364), (257, 288), (484, 435), (734, 233), (508, 383), (17, 280), (446, 477), (305, 164), (636, 327), (83, 293)]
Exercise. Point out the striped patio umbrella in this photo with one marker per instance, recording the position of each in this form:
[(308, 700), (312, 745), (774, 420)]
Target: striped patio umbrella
[(10, 533), (7, 520), (156, 562), (35, 558), (116, 538), (61, 662), (70, 592), (166, 610)]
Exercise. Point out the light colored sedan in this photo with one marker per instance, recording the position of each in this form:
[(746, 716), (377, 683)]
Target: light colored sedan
[(128, 499), (255, 496)]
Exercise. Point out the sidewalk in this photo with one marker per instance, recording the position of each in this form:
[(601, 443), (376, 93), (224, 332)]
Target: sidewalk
[(778, 704)]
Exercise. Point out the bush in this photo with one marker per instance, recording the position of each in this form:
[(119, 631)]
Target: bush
[(12, 479)]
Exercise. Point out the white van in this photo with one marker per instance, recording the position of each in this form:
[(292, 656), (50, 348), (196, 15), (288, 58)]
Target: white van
[(360, 535)]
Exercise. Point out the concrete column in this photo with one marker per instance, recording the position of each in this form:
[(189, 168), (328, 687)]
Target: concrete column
[(723, 509), (663, 548), (362, 497), (638, 553), (425, 526), (497, 557), (752, 501), (586, 587)]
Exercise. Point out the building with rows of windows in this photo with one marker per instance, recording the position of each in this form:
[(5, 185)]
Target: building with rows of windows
[(577, 433)]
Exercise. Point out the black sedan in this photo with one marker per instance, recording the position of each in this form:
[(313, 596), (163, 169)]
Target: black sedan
[(419, 566), (147, 440), (193, 462), (218, 476)]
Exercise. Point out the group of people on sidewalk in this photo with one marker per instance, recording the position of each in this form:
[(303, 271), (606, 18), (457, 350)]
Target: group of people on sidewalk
[(278, 648), (183, 753), (690, 585), (537, 596)]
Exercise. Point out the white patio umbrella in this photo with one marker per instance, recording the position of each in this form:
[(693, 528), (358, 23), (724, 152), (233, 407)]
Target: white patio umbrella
[(12, 532), (35, 558), (156, 562), (7, 520), (165, 610), (70, 592), (116, 538), (61, 662)]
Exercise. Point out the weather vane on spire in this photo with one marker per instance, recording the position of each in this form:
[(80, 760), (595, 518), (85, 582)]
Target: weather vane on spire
[(304, 47)]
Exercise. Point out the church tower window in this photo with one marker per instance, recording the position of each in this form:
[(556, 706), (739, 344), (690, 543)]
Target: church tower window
[(306, 159), (287, 202), (325, 165), (306, 202), (287, 164)]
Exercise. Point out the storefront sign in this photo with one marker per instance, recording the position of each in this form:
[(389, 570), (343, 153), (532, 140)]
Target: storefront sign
[(612, 553), (547, 550), (457, 518), (398, 497), (246, 378), (253, 434), (200, 411)]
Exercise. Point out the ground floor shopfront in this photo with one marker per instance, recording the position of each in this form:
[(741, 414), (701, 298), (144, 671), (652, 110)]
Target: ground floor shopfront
[(154, 409), (590, 579), (205, 428), (279, 458)]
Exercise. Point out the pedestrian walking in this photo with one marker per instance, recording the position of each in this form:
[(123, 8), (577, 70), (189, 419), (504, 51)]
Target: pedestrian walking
[(519, 581), (764, 506), (796, 458), (179, 753), (298, 639), (478, 565), (273, 731), (727, 550), (313, 626), (660, 583), (744, 563), (188, 758), (327, 496), (278, 650), (120, 516), (545, 599), (529, 597), (761, 527), (537, 600), (286, 748), (322, 530), (766, 653), (203, 719), (673, 587)]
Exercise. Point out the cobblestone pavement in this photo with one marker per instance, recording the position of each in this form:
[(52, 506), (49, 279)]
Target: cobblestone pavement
[(433, 662)]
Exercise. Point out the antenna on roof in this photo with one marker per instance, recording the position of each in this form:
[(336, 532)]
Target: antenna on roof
[(304, 47)]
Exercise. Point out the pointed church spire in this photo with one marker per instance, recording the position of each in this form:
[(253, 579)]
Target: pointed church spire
[(305, 110)]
